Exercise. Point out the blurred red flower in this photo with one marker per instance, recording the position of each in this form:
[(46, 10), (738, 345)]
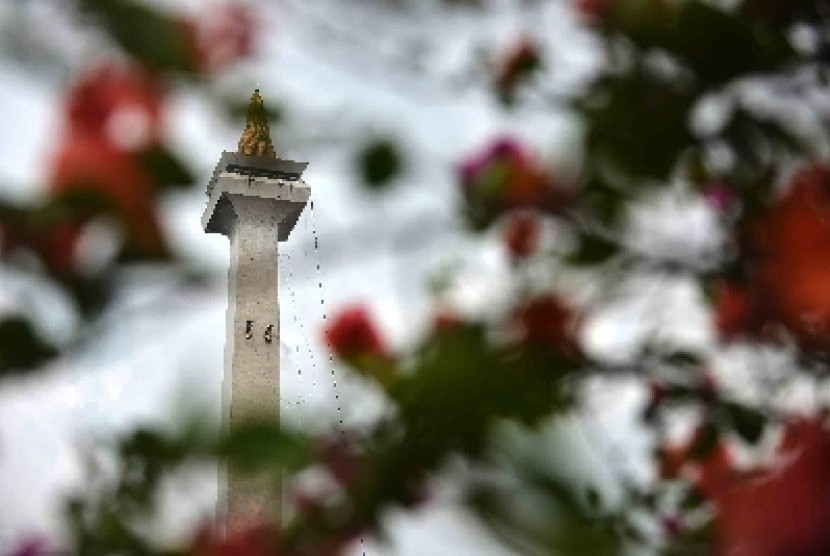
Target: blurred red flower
[(96, 166), (705, 465), (341, 459), (779, 510), (547, 321), (789, 271), (505, 177), (521, 61), (783, 510), (224, 34), (792, 278), (734, 309), (114, 105), (521, 234), (260, 540), (112, 113), (444, 319), (352, 333), (594, 9)]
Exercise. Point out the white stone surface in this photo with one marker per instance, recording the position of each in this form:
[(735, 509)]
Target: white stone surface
[(255, 213)]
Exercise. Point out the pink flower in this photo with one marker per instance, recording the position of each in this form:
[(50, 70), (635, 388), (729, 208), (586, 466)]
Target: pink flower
[(505, 177), (224, 34), (34, 546), (719, 196)]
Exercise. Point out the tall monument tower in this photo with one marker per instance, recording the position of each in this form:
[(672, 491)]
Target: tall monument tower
[(255, 199)]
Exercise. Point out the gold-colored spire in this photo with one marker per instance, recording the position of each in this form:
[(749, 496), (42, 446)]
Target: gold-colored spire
[(256, 139)]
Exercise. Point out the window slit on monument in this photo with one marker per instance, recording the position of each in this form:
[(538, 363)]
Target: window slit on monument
[(249, 330), (268, 333)]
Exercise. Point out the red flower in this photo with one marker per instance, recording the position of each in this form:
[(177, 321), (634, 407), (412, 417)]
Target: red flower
[(521, 61), (339, 456), (789, 278), (521, 234), (792, 280), (780, 510), (706, 466), (117, 106), (445, 319), (86, 164), (658, 392), (260, 540), (547, 321), (222, 36), (505, 177), (352, 333), (783, 510), (734, 310), (594, 9)]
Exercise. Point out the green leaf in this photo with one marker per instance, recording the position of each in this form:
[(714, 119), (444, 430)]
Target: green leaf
[(748, 422), (592, 250), (144, 33), (379, 162), (238, 111), (683, 359), (637, 126), (76, 204), (261, 444), (704, 33), (21, 348), (165, 169), (705, 442)]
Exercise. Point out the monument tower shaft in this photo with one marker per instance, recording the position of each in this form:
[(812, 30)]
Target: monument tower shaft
[(251, 386), (255, 200)]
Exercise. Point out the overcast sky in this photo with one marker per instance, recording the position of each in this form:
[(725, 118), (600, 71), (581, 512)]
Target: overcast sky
[(343, 71)]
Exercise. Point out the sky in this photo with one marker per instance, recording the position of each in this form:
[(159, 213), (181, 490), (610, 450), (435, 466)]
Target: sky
[(345, 72)]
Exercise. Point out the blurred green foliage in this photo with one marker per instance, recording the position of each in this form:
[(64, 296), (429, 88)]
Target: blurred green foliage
[(379, 162), (452, 392)]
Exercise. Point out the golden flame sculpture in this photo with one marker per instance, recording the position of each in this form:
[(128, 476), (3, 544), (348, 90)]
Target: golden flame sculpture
[(256, 139)]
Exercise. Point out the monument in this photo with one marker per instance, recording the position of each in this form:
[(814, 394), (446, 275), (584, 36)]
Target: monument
[(255, 199)]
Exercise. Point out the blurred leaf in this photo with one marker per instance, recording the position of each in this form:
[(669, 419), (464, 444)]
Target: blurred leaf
[(562, 524), (603, 204), (133, 252), (165, 169), (637, 125), (748, 422), (258, 445), (592, 250), (705, 442), (379, 162), (90, 293), (704, 33), (592, 499), (238, 111), (78, 203), (152, 445), (682, 358), (21, 347), (146, 34), (382, 370)]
